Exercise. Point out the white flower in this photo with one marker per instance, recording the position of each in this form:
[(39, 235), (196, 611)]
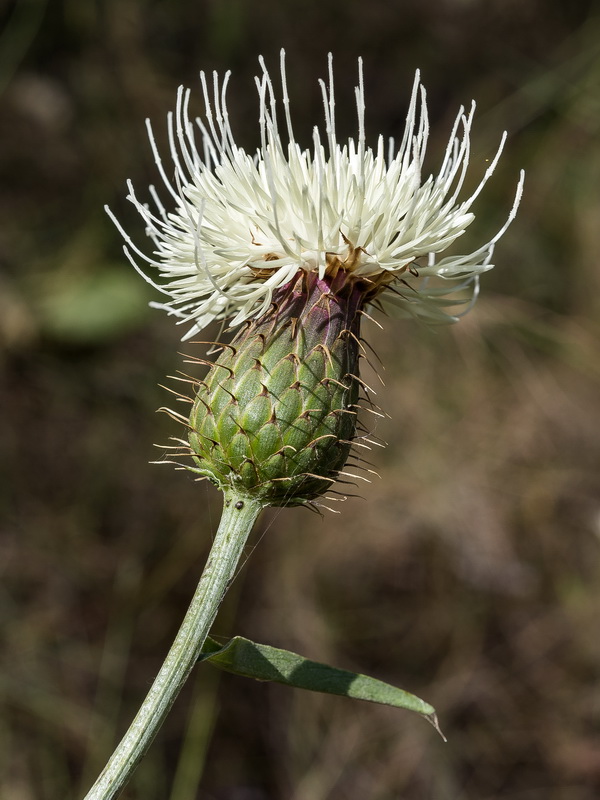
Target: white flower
[(244, 225)]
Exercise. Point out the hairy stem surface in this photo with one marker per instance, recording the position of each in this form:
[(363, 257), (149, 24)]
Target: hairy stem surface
[(237, 521)]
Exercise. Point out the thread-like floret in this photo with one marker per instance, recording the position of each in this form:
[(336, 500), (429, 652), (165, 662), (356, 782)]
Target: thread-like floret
[(243, 225)]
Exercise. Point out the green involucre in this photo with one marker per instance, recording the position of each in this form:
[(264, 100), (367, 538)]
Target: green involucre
[(275, 416)]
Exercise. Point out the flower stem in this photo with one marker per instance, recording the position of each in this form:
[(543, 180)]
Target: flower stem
[(237, 521)]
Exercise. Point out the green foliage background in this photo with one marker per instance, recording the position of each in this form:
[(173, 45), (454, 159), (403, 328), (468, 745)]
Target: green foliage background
[(470, 575)]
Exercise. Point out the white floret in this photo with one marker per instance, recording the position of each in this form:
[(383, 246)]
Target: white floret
[(242, 226)]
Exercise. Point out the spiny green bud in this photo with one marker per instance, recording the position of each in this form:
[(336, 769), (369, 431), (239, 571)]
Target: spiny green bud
[(275, 417)]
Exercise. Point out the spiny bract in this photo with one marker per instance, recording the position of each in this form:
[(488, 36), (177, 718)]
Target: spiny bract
[(276, 415)]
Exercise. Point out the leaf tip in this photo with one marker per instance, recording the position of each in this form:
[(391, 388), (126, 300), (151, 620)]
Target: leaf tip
[(432, 718)]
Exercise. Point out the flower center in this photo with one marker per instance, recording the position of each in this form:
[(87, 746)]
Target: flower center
[(348, 262)]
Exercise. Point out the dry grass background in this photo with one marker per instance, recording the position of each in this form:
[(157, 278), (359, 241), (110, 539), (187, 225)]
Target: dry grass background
[(470, 573)]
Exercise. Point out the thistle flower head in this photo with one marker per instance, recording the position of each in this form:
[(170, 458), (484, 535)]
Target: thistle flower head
[(295, 243), (243, 226)]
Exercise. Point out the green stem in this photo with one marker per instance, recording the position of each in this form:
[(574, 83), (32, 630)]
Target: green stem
[(238, 518)]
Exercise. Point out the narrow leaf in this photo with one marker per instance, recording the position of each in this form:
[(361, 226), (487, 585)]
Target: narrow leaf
[(243, 657)]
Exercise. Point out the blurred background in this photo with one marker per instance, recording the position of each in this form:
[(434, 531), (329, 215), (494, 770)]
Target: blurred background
[(469, 574)]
